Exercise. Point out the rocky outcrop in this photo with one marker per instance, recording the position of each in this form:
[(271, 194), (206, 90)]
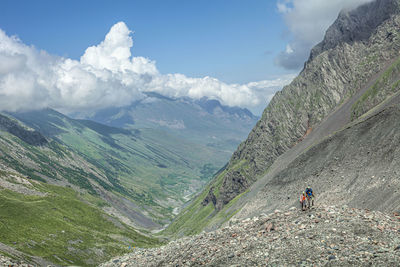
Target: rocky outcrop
[(210, 198), (354, 51), (31, 137), (324, 235), (357, 25)]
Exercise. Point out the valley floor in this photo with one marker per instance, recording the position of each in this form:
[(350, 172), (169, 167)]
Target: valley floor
[(322, 236)]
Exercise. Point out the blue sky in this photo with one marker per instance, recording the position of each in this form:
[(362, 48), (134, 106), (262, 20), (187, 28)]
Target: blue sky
[(232, 40), (81, 56)]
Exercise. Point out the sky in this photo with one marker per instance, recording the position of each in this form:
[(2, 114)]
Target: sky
[(82, 56)]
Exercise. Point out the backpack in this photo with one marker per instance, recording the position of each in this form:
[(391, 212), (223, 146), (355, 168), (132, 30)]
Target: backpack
[(302, 197), (309, 191)]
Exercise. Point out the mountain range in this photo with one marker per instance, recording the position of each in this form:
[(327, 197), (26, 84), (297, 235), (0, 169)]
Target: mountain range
[(335, 128), (137, 177), (204, 121)]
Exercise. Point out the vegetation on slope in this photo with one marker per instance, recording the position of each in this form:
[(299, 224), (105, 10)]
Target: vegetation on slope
[(201, 213), (61, 225), (154, 170), (384, 87)]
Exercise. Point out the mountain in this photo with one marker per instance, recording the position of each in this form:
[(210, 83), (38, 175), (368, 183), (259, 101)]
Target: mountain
[(53, 205), (146, 173), (345, 96), (78, 176), (335, 128), (129, 178), (204, 121)]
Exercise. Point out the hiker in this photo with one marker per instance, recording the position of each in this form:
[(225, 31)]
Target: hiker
[(310, 196), (303, 200)]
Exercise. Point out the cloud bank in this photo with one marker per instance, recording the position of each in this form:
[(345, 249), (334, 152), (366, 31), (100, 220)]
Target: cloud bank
[(307, 21), (107, 75)]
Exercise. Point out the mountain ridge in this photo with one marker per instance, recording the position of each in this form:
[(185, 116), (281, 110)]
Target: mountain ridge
[(327, 82), (307, 115), (208, 105), (203, 121), (352, 26)]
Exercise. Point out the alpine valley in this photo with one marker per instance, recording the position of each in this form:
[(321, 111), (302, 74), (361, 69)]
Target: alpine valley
[(93, 187), (99, 184)]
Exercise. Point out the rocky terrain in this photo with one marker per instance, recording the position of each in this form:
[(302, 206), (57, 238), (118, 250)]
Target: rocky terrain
[(335, 128), (4, 261), (355, 49), (29, 136), (322, 236), (351, 73), (358, 165)]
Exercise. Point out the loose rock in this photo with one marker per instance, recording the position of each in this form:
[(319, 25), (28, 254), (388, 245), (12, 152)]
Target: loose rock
[(300, 240)]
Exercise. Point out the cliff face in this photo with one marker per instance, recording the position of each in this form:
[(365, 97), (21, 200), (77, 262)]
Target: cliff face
[(359, 45), (356, 26)]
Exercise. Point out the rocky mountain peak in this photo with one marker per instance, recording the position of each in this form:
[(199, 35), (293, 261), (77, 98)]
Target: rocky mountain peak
[(356, 25)]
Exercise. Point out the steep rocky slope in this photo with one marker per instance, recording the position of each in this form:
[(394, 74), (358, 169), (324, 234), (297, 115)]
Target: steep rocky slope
[(337, 71), (358, 166), (322, 236), (354, 69)]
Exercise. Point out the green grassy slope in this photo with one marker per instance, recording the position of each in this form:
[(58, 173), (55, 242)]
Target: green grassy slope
[(384, 87), (154, 170), (61, 225)]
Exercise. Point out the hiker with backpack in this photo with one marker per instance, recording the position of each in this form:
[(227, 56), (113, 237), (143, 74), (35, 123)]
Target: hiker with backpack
[(303, 201), (310, 196)]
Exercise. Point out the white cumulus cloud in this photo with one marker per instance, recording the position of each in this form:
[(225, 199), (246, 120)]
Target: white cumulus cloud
[(114, 54), (307, 21), (107, 75)]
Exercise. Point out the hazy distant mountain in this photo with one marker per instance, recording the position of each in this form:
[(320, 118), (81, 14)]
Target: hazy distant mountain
[(203, 121)]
